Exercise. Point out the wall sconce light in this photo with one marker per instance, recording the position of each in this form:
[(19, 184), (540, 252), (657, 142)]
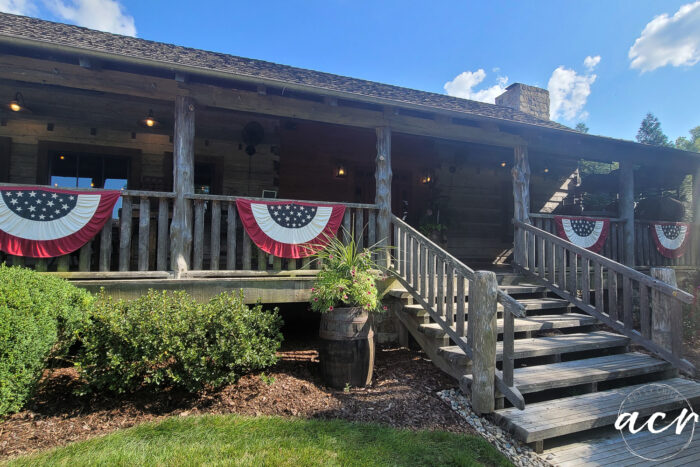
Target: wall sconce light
[(340, 171), (17, 104), (426, 179), (546, 170), (150, 121), (504, 163)]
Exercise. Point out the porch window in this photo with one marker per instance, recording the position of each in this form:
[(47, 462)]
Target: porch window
[(82, 170), (203, 178)]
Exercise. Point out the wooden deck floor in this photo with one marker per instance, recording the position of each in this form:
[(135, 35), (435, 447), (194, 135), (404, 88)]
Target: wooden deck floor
[(608, 448)]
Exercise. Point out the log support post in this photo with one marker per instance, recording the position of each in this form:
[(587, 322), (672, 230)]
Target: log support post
[(696, 195), (667, 314), (183, 183), (382, 198), (482, 303), (521, 200), (626, 211)]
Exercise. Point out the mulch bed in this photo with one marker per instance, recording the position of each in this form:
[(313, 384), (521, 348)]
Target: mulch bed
[(402, 395)]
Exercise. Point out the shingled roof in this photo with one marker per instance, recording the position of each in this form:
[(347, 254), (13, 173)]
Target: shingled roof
[(162, 54)]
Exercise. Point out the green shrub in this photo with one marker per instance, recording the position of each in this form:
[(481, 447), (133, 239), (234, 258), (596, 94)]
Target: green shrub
[(40, 316), (167, 339)]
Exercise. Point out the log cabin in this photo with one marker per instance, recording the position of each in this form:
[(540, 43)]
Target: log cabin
[(452, 185)]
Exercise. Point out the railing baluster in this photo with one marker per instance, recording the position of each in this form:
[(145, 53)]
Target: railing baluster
[(397, 250), (598, 281), (276, 263), (359, 228), (144, 232), (460, 304), (540, 258), (440, 292), (508, 347), (572, 283), (372, 227), (432, 273), (347, 223), (470, 316), (215, 241), (63, 263), (551, 250), (531, 252), (627, 302), (586, 281), (247, 251), (561, 268), (198, 240), (612, 294), (231, 236), (450, 294), (424, 270), (106, 246), (162, 239), (644, 312), (125, 235), (85, 256), (409, 259), (405, 247)]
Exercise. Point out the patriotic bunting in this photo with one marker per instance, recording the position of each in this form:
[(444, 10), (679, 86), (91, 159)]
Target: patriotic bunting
[(289, 230), (671, 238), (583, 232), (45, 222)]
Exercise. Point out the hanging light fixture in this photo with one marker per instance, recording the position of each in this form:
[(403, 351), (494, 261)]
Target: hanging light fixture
[(150, 120), (17, 104), (340, 171)]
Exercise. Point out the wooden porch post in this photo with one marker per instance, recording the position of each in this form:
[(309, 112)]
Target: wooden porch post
[(521, 198), (382, 198), (626, 211), (696, 195), (482, 302), (183, 183)]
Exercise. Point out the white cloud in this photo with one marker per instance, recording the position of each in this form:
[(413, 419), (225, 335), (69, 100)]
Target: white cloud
[(103, 15), (669, 40), (17, 7), (569, 91), (464, 83), (591, 62)]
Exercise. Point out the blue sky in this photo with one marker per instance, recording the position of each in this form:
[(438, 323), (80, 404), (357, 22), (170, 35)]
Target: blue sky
[(647, 62)]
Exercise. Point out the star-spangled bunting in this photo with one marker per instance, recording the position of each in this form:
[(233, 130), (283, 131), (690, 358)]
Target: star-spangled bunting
[(583, 232), (671, 238), (289, 229), (44, 222)]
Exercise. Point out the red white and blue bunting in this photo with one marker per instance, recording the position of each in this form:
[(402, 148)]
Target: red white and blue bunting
[(289, 229), (671, 238), (43, 222), (583, 232)]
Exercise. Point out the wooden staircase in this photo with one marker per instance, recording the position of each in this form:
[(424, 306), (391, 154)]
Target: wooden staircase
[(570, 368)]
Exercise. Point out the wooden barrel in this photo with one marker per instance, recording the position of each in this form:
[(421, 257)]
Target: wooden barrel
[(347, 347)]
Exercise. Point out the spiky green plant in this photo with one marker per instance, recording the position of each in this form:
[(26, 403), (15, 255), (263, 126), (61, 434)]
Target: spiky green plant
[(348, 274)]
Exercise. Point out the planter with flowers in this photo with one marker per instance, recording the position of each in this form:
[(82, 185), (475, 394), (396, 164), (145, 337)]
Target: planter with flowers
[(345, 293)]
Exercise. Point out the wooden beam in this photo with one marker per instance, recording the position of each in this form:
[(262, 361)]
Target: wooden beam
[(73, 76), (626, 211), (696, 195), (183, 183), (382, 176)]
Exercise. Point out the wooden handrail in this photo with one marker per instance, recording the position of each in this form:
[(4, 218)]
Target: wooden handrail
[(544, 257), (631, 273), (540, 215), (234, 198), (429, 274), (508, 302)]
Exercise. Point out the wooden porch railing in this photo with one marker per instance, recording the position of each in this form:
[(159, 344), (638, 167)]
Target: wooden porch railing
[(646, 253), (139, 238), (439, 282), (623, 298)]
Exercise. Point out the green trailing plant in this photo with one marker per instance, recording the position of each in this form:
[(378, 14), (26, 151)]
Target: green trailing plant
[(168, 340), (40, 317), (348, 275)]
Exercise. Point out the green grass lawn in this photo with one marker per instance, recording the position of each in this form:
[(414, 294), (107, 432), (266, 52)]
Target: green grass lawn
[(238, 440)]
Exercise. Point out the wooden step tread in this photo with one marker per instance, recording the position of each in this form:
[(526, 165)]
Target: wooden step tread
[(530, 323), (523, 289), (530, 304), (588, 370), (549, 419), (541, 346)]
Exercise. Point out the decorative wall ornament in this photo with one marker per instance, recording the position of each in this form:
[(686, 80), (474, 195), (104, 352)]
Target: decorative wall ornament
[(583, 232), (43, 222), (671, 238), (289, 229)]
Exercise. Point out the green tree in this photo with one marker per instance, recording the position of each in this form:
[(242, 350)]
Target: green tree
[(650, 132), (692, 144), (581, 127)]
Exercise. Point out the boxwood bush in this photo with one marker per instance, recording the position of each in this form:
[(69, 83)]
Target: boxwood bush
[(40, 316), (168, 340)]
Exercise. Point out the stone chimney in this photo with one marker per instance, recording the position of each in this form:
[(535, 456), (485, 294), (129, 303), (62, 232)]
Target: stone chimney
[(528, 99)]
